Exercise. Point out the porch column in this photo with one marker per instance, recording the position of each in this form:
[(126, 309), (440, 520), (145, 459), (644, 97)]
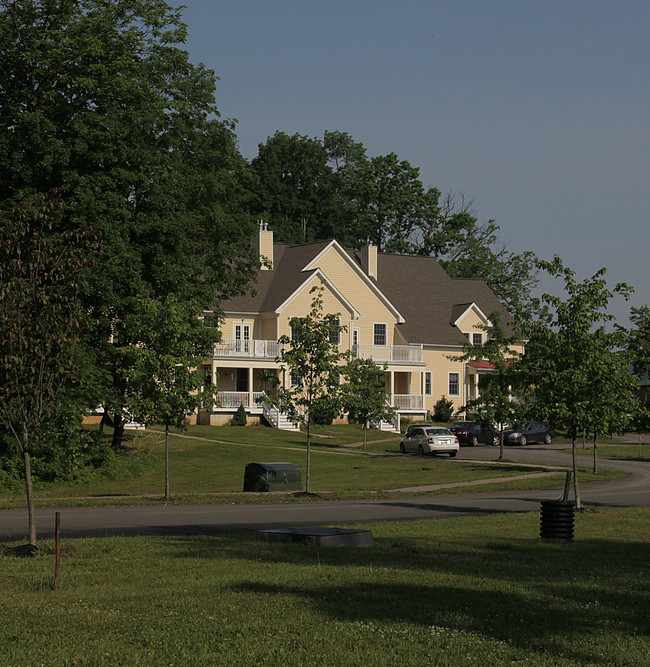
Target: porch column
[(214, 374), (391, 374), (250, 387)]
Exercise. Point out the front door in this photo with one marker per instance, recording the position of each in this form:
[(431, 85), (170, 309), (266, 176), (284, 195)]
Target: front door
[(242, 379)]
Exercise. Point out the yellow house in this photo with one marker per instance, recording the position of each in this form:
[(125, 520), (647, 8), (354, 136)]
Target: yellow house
[(400, 310)]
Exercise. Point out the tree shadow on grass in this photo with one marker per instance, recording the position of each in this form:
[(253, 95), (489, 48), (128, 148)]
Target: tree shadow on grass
[(547, 625)]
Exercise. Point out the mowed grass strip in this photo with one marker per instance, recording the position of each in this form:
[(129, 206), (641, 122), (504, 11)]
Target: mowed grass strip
[(463, 591), (202, 470)]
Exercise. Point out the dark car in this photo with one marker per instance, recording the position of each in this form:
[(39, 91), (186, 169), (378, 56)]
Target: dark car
[(530, 432), (468, 433)]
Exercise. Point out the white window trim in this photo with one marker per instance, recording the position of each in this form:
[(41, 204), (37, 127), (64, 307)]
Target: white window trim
[(428, 379)]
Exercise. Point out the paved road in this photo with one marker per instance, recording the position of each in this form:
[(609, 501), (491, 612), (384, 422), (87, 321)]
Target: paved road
[(208, 519)]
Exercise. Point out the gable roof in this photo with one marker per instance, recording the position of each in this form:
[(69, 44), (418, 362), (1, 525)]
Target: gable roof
[(425, 300), (430, 300)]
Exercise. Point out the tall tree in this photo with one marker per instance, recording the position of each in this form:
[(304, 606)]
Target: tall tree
[(364, 393), (99, 100), (313, 362), (41, 323), (638, 346), (294, 184), (568, 348)]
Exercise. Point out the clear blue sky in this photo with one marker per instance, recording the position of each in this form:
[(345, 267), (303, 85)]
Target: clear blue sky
[(538, 111)]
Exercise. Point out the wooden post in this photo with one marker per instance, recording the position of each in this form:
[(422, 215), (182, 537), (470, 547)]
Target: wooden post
[(57, 537)]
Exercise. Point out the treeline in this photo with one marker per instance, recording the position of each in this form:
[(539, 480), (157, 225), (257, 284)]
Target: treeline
[(311, 189)]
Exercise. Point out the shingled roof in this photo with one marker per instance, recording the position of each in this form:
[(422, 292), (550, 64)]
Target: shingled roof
[(418, 287), (430, 300)]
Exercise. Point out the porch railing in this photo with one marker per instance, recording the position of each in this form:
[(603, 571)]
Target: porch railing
[(264, 349), (408, 401), (389, 353), (233, 399)]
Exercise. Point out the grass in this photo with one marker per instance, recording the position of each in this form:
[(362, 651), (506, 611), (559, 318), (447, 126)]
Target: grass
[(639, 452), (200, 469), (463, 591)]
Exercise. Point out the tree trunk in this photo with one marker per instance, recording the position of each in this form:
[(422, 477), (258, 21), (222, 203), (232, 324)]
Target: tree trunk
[(166, 461), (365, 433), (595, 456), (308, 452), (118, 432), (576, 486), (31, 514), (501, 457)]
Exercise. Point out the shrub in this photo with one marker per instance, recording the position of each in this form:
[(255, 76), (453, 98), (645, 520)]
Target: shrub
[(240, 418), (443, 410)]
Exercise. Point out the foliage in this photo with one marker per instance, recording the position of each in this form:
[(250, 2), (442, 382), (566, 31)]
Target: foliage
[(240, 418), (443, 410), (99, 101), (312, 362), (313, 190), (500, 401), (364, 393), (580, 382), (42, 273), (638, 340)]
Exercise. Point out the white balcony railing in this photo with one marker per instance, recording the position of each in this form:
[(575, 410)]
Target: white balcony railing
[(408, 401), (233, 399), (263, 349), (389, 353)]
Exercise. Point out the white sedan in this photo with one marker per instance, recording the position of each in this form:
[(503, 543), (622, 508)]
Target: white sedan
[(430, 440)]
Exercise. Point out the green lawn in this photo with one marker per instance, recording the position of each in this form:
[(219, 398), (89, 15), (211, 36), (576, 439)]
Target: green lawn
[(213, 470), (465, 591)]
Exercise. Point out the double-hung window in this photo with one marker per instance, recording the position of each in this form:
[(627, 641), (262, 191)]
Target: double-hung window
[(379, 336), (427, 383), (335, 332), (454, 384), (477, 339)]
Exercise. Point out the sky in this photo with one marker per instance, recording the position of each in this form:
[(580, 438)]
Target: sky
[(539, 112)]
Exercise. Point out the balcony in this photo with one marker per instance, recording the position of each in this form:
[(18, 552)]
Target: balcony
[(400, 354), (257, 349)]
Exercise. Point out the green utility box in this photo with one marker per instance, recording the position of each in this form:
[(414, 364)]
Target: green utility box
[(272, 477)]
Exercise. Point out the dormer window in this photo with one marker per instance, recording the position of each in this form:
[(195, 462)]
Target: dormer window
[(477, 339)]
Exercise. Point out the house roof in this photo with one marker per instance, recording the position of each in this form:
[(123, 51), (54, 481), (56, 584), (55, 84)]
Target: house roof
[(417, 287), (430, 300)]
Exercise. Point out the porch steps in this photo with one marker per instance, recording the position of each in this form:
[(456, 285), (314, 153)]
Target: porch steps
[(278, 419)]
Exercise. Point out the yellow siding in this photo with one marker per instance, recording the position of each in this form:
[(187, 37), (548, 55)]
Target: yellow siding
[(440, 365), (361, 297)]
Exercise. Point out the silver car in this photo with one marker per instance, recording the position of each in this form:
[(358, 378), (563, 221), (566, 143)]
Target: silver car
[(430, 440)]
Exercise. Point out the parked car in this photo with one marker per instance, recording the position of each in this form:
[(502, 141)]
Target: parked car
[(530, 432), (409, 430), (425, 439), (468, 433)]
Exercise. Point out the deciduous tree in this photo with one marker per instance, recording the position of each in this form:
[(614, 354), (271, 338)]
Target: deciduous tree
[(312, 360), (569, 350), (41, 322), (99, 100), (364, 393)]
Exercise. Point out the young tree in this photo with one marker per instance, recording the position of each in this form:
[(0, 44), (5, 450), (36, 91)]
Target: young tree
[(99, 100), (500, 401), (568, 349), (41, 322), (312, 360), (165, 384), (364, 393)]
